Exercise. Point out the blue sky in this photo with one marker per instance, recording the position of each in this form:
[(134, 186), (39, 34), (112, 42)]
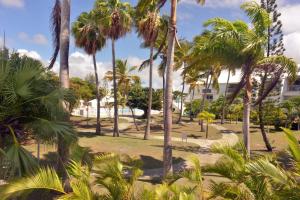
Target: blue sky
[(26, 23)]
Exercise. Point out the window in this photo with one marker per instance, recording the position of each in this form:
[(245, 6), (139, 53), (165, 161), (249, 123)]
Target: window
[(210, 97)]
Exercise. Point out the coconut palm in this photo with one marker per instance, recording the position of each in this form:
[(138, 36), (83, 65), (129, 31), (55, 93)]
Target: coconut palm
[(182, 56), (115, 20), (60, 19), (167, 155), (238, 44), (208, 117), (148, 25), (125, 80), (193, 80), (88, 36)]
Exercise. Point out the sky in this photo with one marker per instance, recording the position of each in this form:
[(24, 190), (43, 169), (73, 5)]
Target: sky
[(27, 28)]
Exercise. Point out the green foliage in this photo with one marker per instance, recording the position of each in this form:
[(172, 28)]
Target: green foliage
[(138, 98), (31, 104)]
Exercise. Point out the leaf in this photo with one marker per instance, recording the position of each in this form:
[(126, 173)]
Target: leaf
[(294, 146), (46, 179)]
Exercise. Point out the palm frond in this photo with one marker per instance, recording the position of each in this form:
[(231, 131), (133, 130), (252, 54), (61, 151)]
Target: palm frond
[(45, 179), (55, 23)]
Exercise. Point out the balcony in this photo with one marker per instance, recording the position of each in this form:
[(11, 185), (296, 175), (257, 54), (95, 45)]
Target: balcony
[(206, 91)]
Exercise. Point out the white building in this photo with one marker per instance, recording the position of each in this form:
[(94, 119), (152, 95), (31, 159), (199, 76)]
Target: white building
[(89, 109), (283, 91)]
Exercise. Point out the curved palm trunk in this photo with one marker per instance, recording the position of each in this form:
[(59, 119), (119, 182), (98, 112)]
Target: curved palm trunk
[(167, 154), (246, 113), (261, 115), (133, 117), (207, 85), (164, 89), (116, 114), (147, 130), (63, 147), (98, 125), (225, 98), (191, 105), (181, 100)]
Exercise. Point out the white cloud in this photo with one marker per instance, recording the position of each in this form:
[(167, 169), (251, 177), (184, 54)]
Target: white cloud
[(38, 38), (290, 16), (12, 3), (31, 54), (218, 3)]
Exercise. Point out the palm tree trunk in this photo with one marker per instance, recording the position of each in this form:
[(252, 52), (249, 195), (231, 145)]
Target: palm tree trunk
[(225, 98), (181, 100), (206, 130), (63, 147), (207, 85), (261, 115), (133, 117), (116, 114), (147, 130), (167, 154), (246, 113), (98, 125), (164, 89)]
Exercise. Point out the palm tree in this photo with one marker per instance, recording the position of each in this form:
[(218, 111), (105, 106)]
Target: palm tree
[(125, 81), (61, 41), (88, 36), (245, 48), (115, 20), (193, 79), (182, 56), (30, 106), (208, 117), (148, 24)]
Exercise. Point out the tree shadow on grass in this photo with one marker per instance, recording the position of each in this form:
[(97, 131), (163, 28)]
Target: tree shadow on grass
[(150, 162)]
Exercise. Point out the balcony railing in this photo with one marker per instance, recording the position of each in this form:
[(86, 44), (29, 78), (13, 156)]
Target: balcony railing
[(205, 91), (294, 88)]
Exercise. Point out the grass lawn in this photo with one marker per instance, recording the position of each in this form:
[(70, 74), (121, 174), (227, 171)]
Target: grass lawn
[(191, 129), (276, 138), (149, 151)]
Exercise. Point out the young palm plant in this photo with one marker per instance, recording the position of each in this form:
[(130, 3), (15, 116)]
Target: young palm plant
[(115, 21), (88, 36)]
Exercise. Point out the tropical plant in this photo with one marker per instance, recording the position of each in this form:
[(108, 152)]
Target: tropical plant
[(115, 21), (236, 43), (148, 25), (181, 59), (60, 19), (89, 37), (208, 117), (30, 107), (274, 46)]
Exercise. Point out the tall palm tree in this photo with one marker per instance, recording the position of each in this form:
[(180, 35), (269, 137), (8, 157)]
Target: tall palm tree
[(61, 42), (245, 47), (88, 36), (182, 55), (148, 24), (115, 21), (167, 155), (193, 80), (125, 80)]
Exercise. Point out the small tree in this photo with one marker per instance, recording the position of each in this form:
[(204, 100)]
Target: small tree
[(208, 117)]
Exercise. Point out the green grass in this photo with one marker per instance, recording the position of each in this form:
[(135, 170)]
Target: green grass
[(149, 151), (276, 138)]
